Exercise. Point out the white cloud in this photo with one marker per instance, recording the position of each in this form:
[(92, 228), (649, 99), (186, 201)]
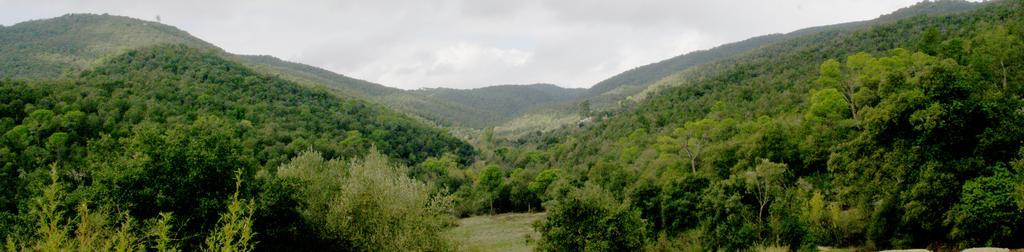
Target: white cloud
[(463, 56), (471, 43)]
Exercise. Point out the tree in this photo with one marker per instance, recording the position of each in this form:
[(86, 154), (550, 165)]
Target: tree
[(694, 137), (590, 219), (584, 109), (764, 182), (680, 199), (932, 128), (930, 41), (489, 182), (186, 169), (846, 78), (86, 230), (233, 232), (986, 214), (827, 105), (542, 181), (369, 204), (998, 52)]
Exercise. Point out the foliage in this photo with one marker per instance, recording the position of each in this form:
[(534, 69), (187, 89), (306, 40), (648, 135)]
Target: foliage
[(164, 128), (368, 205), (234, 229), (591, 220), (497, 104), (875, 136), (904, 131), (87, 230)]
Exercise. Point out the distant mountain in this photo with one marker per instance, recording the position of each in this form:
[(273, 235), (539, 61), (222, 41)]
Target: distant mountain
[(63, 46), (314, 75), (505, 100), (646, 75), (53, 47), (635, 84)]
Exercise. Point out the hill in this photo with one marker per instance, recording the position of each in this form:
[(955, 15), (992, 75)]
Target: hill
[(633, 85), (165, 128), (71, 43), (64, 46), (902, 132), (504, 101), (894, 134)]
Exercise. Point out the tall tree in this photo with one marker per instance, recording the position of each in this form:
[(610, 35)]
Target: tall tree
[(764, 181), (694, 137), (997, 51)]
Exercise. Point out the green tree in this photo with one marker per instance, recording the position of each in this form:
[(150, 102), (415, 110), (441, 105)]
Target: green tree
[(186, 169), (998, 52), (542, 181), (828, 105), (370, 204), (986, 214), (695, 137), (590, 219), (490, 183), (765, 181), (234, 229), (584, 109)]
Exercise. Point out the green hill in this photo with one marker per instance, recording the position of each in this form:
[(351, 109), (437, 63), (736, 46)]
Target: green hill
[(633, 85), (63, 46), (165, 128), (315, 76), (71, 43), (504, 101), (901, 133), (643, 76)]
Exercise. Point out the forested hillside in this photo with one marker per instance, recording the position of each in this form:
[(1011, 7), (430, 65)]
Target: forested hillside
[(61, 46), (67, 45), (906, 131), (504, 101), (893, 135), (624, 89), (166, 129)]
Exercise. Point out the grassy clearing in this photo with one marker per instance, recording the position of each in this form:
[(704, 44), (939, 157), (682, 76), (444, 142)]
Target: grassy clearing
[(502, 232)]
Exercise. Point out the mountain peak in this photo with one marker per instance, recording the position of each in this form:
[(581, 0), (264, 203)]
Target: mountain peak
[(49, 48)]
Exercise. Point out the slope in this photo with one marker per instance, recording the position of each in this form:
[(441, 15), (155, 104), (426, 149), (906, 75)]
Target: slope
[(66, 45), (169, 128), (897, 134), (70, 43), (504, 101), (633, 85)]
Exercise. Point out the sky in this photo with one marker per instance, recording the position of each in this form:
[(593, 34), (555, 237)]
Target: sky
[(412, 44)]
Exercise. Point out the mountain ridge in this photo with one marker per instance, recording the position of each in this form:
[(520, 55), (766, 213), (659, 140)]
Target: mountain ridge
[(62, 46), (629, 87), (444, 107)]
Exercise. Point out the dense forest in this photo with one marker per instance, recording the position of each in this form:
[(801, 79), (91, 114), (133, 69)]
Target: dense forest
[(898, 135), (902, 132), (166, 129), (66, 45)]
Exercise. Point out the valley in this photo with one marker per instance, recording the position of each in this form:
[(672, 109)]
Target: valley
[(904, 131)]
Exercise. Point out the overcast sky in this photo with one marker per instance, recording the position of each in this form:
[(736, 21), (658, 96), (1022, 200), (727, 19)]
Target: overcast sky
[(471, 43)]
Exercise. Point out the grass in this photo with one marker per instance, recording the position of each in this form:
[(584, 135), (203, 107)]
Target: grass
[(502, 232)]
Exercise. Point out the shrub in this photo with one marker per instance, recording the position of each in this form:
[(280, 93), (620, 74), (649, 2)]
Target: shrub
[(590, 219), (369, 205)]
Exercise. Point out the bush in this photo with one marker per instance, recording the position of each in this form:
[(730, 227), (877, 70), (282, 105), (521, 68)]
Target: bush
[(87, 230), (369, 205), (987, 214), (590, 219)]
